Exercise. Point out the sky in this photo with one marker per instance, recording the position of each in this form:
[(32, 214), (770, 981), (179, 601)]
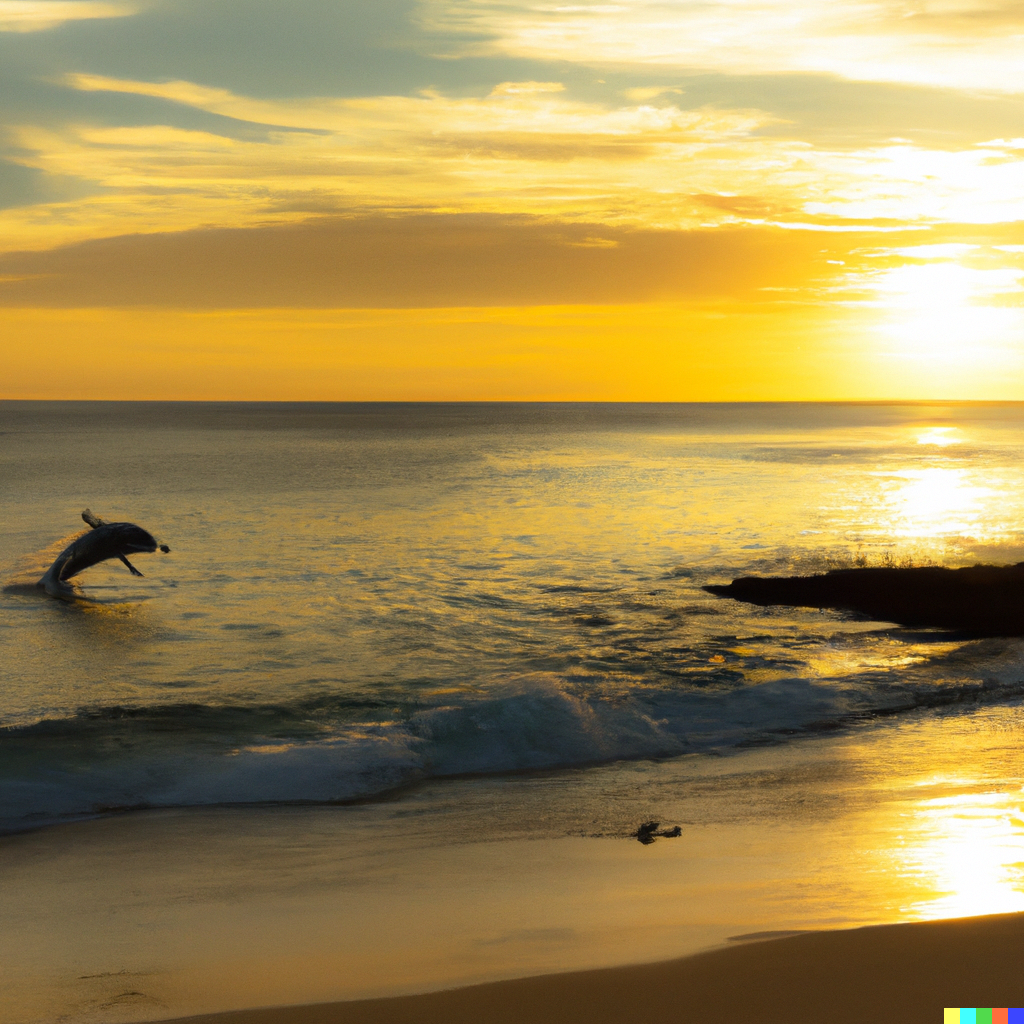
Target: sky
[(652, 200)]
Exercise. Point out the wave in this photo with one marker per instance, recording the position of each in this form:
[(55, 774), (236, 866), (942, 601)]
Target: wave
[(101, 760)]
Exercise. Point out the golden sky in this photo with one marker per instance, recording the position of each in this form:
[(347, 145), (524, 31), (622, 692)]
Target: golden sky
[(460, 199)]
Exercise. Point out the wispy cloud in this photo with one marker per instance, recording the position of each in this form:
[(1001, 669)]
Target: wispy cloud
[(38, 15), (524, 148), (959, 43)]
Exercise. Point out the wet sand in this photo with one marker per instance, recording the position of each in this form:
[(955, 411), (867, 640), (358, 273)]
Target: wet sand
[(905, 972)]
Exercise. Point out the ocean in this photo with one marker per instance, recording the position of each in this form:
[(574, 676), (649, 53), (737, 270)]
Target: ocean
[(362, 597), (487, 621)]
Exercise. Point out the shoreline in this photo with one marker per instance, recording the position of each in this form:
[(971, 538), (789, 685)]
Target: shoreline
[(345, 914), (906, 972)]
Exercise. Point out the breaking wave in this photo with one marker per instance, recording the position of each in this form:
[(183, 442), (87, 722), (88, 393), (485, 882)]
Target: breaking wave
[(121, 758)]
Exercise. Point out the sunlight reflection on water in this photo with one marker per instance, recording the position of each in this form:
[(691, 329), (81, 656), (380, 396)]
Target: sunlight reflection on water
[(970, 850), (487, 588), (938, 501)]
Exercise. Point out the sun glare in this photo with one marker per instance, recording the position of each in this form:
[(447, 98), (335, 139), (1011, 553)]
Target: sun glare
[(970, 850), (934, 502), (947, 313), (941, 437)]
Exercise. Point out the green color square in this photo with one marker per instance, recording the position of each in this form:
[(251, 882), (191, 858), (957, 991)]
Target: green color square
[(983, 1016)]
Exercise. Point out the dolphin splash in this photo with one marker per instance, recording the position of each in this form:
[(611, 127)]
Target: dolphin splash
[(104, 541)]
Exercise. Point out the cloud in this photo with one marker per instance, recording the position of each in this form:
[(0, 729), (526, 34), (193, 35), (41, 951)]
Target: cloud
[(643, 94), (526, 88), (188, 93), (39, 15), (414, 262), (525, 149), (537, 136), (963, 43), (530, 151)]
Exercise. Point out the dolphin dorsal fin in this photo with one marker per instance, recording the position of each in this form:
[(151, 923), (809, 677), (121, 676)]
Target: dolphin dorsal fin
[(92, 520)]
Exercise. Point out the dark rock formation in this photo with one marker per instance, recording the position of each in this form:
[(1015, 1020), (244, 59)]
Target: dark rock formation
[(983, 600)]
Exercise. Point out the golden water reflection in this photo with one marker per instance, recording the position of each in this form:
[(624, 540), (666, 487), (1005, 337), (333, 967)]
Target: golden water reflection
[(935, 501), (969, 850), (940, 832), (929, 492), (940, 436)]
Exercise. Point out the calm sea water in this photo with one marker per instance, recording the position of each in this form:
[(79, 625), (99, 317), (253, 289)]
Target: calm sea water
[(359, 597)]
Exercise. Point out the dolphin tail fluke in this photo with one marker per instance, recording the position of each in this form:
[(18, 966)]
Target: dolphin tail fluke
[(60, 590), (54, 585), (92, 520)]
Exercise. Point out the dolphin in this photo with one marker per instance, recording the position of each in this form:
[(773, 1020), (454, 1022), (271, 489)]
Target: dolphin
[(106, 540)]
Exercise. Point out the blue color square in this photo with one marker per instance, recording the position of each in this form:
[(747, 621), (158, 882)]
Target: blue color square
[(1016, 1015)]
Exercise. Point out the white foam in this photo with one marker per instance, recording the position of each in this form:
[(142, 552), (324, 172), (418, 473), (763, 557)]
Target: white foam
[(538, 721)]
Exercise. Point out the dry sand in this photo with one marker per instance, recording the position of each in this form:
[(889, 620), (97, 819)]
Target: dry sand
[(904, 972)]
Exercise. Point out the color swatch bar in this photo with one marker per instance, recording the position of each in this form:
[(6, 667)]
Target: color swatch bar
[(980, 1015)]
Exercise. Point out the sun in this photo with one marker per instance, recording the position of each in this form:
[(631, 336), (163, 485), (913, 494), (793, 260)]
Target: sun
[(945, 313)]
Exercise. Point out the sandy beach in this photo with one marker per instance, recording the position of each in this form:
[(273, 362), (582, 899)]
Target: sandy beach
[(877, 871), (905, 972)]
